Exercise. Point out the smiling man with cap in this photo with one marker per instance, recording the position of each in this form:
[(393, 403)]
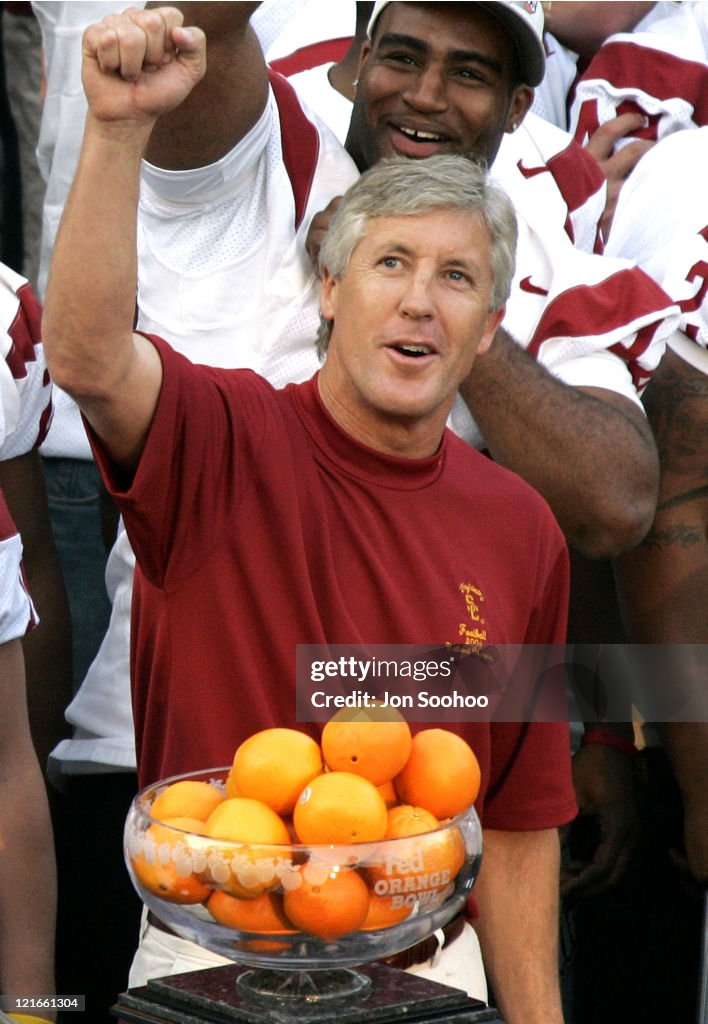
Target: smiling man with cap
[(433, 78), (524, 23)]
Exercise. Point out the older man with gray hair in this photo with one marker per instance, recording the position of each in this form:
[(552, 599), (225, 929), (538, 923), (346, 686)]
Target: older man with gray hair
[(331, 494)]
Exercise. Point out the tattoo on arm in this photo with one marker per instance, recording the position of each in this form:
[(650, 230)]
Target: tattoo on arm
[(682, 535)]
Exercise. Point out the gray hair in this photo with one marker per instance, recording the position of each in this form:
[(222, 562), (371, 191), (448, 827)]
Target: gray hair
[(399, 187)]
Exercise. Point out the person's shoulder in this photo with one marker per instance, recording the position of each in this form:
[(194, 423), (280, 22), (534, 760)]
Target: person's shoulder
[(175, 366), (498, 486), (316, 162)]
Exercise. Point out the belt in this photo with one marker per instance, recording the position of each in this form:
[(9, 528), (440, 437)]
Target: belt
[(426, 948), (417, 954)]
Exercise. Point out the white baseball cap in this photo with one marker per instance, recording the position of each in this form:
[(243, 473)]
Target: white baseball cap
[(523, 21)]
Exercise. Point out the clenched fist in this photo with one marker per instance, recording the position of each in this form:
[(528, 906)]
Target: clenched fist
[(140, 64)]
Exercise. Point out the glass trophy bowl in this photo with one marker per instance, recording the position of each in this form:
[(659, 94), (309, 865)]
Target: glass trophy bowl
[(415, 885)]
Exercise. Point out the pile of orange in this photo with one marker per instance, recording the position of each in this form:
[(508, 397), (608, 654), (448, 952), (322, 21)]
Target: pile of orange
[(242, 852)]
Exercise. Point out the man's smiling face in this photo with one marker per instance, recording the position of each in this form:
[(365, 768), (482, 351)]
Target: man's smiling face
[(435, 79)]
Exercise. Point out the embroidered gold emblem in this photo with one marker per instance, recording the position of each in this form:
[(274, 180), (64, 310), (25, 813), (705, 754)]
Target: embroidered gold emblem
[(476, 634)]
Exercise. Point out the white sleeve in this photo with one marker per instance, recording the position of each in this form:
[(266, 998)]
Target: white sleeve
[(17, 613), (25, 390), (662, 222), (230, 174)]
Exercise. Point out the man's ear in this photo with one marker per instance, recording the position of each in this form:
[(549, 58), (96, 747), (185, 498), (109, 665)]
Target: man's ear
[(327, 294), (492, 326), (521, 100), (363, 55)]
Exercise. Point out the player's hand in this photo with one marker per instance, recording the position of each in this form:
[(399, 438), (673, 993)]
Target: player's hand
[(140, 64), (605, 790), (617, 162), (318, 229)]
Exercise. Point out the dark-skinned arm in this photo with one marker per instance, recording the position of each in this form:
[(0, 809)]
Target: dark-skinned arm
[(584, 27), (663, 585), (588, 451), (47, 649), (228, 101)]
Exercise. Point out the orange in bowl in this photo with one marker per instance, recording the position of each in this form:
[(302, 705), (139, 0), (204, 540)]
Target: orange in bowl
[(329, 908), (274, 766), (442, 774), (423, 864), (187, 798), (377, 750), (249, 868), (339, 807), (166, 865)]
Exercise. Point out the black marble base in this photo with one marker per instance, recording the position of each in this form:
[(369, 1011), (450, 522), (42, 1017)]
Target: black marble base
[(213, 997)]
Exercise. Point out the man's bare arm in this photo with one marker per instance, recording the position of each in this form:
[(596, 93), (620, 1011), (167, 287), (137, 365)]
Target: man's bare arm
[(588, 451), (47, 649), (663, 584), (227, 102), (136, 67), (584, 26), (517, 893)]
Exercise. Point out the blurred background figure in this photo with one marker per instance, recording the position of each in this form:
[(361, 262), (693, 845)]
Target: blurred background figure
[(27, 866), (23, 187)]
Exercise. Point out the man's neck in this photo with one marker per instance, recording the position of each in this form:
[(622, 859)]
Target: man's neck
[(391, 435)]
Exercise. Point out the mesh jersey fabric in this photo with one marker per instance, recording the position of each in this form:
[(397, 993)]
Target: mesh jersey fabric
[(660, 71), (662, 223), (17, 613), (25, 390)]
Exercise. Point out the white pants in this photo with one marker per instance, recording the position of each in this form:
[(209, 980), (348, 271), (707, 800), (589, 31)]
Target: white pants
[(161, 954)]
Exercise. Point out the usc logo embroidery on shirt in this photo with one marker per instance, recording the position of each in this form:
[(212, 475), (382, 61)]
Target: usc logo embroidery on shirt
[(475, 634)]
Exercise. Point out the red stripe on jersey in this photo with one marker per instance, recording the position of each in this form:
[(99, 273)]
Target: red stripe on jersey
[(7, 526), (24, 332), (44, 424), (577, 174), (597, 309), (579, 178), (33, 620), (300, 141), (663, 75), (640, 375), (325, 52)]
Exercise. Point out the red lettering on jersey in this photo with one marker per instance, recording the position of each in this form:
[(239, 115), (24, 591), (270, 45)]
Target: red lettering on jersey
[(24, 332), (699, 271), (588, 121)]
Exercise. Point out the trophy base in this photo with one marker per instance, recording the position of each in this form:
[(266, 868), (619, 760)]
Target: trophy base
[(372, 994)]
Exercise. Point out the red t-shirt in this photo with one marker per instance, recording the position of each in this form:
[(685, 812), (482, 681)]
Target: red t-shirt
[(258, 524)]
